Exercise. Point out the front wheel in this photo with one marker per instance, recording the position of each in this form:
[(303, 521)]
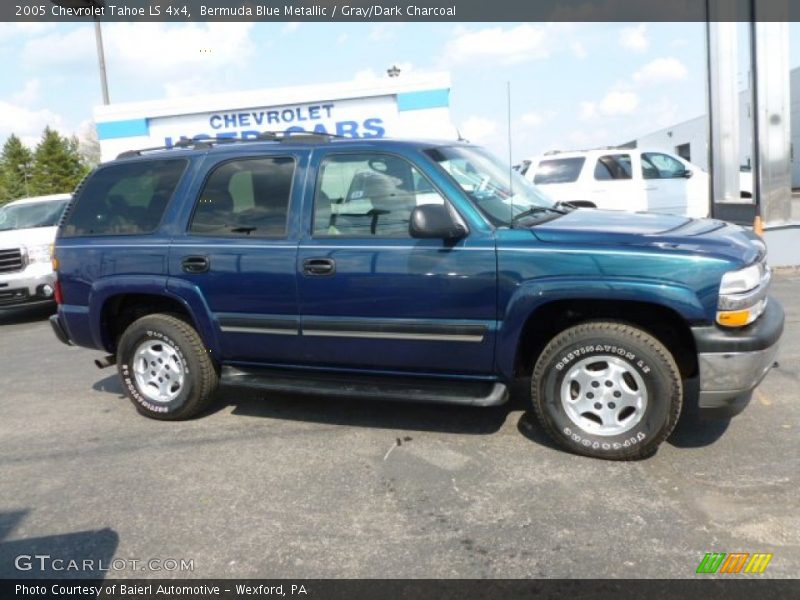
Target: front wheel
[(165, 368), (607, 390)]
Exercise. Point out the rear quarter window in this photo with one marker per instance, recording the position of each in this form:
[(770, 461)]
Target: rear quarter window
[(124, 199), (559, 170)]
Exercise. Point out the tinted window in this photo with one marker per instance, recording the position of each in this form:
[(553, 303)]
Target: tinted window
[(661, 166), (368, 195), (126, 198), (613, 166), (559, 170), (246, 197)]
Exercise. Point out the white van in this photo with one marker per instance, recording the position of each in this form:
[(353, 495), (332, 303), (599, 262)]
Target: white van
[(622, 179)]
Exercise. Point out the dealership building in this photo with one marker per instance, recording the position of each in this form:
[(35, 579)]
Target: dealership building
[(404, 106), (689, 139)]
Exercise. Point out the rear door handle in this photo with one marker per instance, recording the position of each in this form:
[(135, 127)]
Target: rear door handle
[(196, 264), (319, 266)]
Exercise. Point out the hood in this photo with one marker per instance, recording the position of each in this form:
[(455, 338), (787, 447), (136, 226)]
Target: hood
[(649, 230), (35, 236)]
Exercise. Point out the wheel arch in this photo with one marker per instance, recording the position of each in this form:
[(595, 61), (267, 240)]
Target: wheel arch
[(546, 320), (116, 303)]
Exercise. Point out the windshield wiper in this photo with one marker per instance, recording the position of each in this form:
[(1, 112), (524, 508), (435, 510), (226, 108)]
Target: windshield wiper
[(535, 210), (567, 206)]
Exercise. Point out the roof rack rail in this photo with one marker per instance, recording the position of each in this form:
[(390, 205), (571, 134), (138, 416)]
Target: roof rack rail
[(264, 136), (625, 146)]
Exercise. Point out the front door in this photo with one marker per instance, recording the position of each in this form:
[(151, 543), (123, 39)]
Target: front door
[(665, 184), (371, 297), (613, 186)]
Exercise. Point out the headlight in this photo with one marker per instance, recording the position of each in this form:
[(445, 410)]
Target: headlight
[(743, 280), (39, 254), (743, 295)]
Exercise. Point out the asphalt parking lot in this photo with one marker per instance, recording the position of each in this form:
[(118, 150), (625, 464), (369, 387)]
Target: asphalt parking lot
[(308, 487)]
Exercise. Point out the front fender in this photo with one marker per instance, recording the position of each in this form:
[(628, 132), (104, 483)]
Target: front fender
[(533, 295)]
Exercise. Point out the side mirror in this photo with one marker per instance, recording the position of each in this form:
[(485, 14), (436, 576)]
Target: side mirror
[(433, 221), (687, 174)]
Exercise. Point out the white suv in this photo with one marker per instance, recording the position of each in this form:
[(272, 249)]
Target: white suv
[(622, 179), (27, 232)]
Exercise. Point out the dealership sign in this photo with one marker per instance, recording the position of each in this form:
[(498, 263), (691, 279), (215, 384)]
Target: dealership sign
[(355, 118)]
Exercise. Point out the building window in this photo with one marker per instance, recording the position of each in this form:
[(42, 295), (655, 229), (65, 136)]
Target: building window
[(684, 151)]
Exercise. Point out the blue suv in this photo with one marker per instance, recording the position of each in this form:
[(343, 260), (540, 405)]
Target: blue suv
[(407, 270)]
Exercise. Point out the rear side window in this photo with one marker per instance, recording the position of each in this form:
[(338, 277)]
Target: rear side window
[(124, 199), (246, 197), (613, 166), (559, 170)]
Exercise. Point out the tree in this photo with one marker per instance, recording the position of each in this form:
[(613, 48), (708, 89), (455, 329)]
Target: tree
[(88, 144), (16, 162), (57, 164)]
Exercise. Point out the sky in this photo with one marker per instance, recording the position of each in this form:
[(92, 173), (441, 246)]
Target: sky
[(573, 85)]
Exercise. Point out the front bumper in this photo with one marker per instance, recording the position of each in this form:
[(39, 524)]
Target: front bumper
[(34, 284), (732, 362)]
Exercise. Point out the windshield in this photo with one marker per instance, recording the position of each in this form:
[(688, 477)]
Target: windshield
[(485, 179), (33, 214)]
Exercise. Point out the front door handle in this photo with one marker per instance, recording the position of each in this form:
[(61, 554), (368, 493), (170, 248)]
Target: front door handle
[(319, 266), (196, 264)]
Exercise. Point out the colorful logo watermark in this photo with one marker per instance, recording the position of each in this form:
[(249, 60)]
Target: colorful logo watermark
[(735, 562)]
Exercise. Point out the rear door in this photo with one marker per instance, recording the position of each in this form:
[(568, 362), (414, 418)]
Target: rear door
[(239, 250), (374, 298), (613, 184)]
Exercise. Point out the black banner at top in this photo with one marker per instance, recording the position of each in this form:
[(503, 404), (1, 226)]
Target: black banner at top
[(396, 10)]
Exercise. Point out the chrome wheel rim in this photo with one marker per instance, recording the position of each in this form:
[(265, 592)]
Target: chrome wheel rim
[(604, 395), (158, 371)]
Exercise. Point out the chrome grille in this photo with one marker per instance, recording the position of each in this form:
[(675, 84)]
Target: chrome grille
[(11, 260)]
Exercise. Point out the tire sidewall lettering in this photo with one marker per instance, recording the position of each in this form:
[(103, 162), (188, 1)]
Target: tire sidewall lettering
[(612, 349)]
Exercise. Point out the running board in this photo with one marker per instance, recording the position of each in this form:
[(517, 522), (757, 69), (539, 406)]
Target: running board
[(345, 385)]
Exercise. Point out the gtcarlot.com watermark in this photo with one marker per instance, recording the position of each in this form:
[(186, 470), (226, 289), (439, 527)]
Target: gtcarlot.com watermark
[(48, 563)]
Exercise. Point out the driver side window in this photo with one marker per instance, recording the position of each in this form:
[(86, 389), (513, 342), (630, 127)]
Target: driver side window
[(369, 195), (661, 166)]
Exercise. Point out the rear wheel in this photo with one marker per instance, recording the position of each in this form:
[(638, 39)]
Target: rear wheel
[(607, 390), (165, 368)]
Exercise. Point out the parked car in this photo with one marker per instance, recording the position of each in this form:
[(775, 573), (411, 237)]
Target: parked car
[(27, 232), (622, 179), (407, 270)]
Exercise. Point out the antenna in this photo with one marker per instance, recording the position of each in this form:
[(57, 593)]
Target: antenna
[(510, 168)]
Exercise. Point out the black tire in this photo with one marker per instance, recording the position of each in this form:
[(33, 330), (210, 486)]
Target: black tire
[(176, 338), (624, 362)]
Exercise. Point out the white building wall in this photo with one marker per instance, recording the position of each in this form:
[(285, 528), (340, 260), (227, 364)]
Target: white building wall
[(695, 133)]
